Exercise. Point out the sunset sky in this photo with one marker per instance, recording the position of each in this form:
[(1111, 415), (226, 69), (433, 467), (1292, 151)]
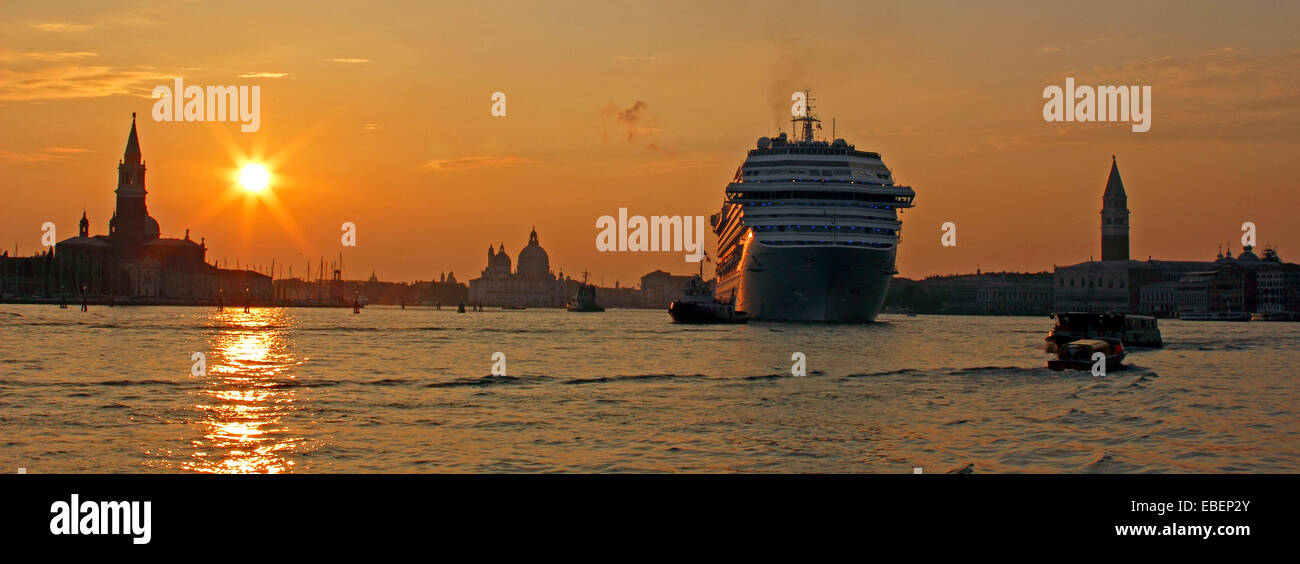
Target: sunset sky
[(379, 114)]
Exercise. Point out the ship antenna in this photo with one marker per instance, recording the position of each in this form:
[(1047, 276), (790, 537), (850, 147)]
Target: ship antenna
[(808, 118)]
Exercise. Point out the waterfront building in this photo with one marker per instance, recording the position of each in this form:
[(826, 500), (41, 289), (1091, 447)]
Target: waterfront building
[(133, 260), (982, 293), (1159, 299), (530, 284), (659, 289), (993, 293), (1245, 283), (1278, 285), (1115, 283)]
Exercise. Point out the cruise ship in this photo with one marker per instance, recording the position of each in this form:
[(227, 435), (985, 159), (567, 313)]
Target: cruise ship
[(809, 229)]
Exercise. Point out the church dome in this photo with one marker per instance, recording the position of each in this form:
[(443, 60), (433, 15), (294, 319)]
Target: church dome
[(533, 260), (1248, 255), (151, 230)]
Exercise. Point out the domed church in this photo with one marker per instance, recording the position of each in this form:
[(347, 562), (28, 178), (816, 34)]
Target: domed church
[(531, 284)]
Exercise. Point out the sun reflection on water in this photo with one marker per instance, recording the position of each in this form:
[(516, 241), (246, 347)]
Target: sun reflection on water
[(248, 394)]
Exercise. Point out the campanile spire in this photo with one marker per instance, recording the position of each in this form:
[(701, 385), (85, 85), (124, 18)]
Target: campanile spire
[(1114, 217), (132, 154)]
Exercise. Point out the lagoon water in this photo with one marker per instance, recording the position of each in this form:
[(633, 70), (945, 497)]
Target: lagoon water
[(392, 390)]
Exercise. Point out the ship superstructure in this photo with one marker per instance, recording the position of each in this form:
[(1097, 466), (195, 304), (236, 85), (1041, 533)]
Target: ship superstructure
[(809, 229)]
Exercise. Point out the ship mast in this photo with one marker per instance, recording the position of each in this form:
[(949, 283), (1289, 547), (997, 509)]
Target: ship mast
[(807, 118)]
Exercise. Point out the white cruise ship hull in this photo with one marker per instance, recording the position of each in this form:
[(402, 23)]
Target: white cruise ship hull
[(804, 283)]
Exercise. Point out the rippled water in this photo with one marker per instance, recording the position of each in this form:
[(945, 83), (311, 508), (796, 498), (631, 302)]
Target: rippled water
[(391, 390)]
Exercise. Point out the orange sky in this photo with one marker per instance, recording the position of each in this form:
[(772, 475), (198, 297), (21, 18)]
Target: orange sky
[(379, 115)]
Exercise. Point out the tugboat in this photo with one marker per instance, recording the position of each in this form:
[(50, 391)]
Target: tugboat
[(1078, 355), (698, 305), (585, 299)]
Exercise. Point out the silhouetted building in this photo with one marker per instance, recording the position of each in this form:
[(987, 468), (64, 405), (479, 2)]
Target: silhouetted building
[(1159, 299), (1278, 284), (531, 284), (991, 293), (1116, 283), (659, 289), (133, 260), (1114, 217), (1247, 283)]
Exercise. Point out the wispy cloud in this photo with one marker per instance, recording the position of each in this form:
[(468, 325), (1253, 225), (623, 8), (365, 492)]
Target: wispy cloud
[(637, 122), (1049, 49), (665, 150), (466, 163), (60, 27), (351, 61), (637, 58), (266, 75), (126, 19), (71, 81), (11, 56), (635, 119), (44, 155)]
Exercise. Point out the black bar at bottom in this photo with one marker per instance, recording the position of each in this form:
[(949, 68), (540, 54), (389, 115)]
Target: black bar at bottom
[(753, 513)]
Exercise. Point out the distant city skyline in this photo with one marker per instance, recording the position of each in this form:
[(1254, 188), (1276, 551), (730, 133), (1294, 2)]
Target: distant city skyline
[(394, 133)]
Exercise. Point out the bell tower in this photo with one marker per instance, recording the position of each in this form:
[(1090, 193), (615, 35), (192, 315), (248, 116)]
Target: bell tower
[(131, 213), (1114, 217)]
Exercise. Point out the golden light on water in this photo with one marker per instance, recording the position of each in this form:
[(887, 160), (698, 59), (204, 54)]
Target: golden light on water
[(248, 395)]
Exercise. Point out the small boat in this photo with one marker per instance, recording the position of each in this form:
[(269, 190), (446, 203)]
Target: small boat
[(699, 306), (584, 300), (1131, 330), (1080, 355)]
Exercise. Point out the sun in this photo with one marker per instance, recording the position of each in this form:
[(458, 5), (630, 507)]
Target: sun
[(254, 177)]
